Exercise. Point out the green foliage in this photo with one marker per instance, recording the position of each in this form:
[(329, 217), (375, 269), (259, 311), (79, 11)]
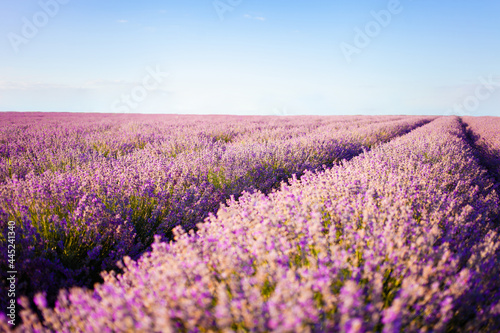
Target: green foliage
[(390, 288), (144, 218), (343, 275), (267, 289), (218, 178)]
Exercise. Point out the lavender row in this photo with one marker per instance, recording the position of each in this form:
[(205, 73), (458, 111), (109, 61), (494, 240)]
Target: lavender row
[(485, 131), (397, 239), (65, 142), (74, 224)]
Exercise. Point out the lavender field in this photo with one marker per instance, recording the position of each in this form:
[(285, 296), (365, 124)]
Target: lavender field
[(175, 223)]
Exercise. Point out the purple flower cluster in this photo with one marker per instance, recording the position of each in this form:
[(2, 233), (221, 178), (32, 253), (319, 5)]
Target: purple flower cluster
[(85, 194), (401, 238)]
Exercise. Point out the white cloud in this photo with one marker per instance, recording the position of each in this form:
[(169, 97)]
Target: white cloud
[(122, 21), (11, 85), (95, 85), (251, 17)]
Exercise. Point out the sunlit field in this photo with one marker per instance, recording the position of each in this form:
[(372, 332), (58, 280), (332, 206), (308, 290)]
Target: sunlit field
[(166, 223)]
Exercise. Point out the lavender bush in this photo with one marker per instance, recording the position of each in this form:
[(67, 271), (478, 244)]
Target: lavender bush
[(401, 238), (486, 135)]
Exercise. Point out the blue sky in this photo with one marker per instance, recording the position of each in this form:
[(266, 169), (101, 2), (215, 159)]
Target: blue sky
[(251, 56)]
